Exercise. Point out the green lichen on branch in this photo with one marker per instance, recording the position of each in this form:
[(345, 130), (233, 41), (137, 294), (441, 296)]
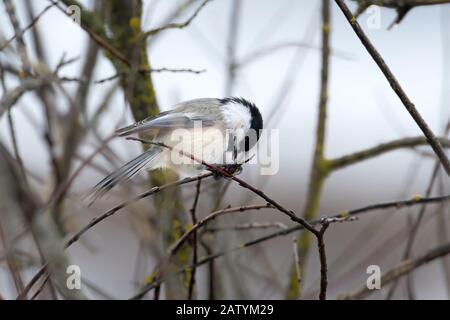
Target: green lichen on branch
[(125, 47), (320, 165)]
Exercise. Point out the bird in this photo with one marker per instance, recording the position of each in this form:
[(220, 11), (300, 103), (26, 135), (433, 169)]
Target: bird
[(218, 131)]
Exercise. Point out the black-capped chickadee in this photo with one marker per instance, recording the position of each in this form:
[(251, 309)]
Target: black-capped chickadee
[(220, 132)]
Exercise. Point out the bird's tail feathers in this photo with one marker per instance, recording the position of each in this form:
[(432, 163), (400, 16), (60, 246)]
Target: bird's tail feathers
[(125, 172)]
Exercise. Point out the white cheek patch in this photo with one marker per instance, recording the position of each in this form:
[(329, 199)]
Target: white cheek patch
[(236, 116)]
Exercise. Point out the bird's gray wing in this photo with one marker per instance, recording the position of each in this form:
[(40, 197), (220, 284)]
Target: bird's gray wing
[(168, 119), (125, 172)]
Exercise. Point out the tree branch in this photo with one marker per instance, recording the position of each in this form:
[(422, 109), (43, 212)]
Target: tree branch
[(411, 142), (401, 270), (319, 170)]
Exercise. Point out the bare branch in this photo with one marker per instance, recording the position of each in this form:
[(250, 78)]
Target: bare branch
[(177, 245), (401, 270), (29, 26), (249, 226), (260, 53), (176, 25), (109, 213), (349, 215), (347, 160), (153, 70), (99, 39)]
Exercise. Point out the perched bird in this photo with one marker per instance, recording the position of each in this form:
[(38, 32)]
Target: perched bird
[(220, 132)]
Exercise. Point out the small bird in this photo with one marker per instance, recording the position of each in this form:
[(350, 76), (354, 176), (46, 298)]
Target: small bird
[(220, 132)]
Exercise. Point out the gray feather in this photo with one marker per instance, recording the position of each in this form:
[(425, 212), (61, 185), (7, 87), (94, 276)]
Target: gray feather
[(125, 172), (184, 115)]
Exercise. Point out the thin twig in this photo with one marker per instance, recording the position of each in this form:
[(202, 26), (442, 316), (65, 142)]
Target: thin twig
[(152, 70), (30, 25), (177, 245), (94, 36), (107, 214), (318, 172), (176, 25), (249, 226), (348, 215), (415, 228), (369, 153), (401, 270)]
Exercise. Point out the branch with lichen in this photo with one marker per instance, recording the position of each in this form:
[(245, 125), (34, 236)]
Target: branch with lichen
[(125, 47), (319, 169), (369, 153), (344, 216)]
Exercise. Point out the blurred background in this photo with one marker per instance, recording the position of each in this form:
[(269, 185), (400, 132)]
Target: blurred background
[(269, 52)]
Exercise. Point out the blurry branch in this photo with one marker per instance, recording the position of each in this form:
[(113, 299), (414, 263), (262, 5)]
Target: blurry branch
[(61, 189), (401, 6), (158, 70), (21, 47), (409, 106), (249, 226), (260, 53), (94, 28), (171, 16), (94, 288), (318, 172), (18, 200), (17, 156), (159, 277), (402, 269), (231, 69), (280, 98), (35, 33), (73, 133), (111, 212), (183, 25), (297, 264), (404, 143), (233, 32), (414, 229), (413, 233), (11, 215), (118, 31), (28, 84), (344, 216), (42, 79), (348, 215), (30, 25), (176, 246), (442, 234)]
